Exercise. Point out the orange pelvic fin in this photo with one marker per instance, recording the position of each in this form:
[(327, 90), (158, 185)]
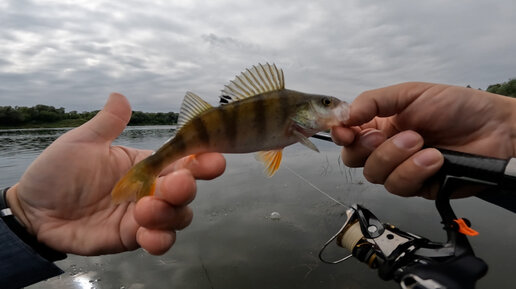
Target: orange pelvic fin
[(189, 160), (136, 184), (271, 160)]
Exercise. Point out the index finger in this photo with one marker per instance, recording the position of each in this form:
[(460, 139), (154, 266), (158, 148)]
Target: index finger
[(343, 135), (385, 101)]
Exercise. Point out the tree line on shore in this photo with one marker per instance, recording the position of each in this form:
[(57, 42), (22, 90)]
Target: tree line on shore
[(506, 88), (21, 116)]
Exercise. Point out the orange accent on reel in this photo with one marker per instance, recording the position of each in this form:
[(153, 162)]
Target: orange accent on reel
[(464, 228)]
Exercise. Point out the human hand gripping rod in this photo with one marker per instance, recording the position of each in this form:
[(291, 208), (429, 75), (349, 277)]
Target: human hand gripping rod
[(417, 262)]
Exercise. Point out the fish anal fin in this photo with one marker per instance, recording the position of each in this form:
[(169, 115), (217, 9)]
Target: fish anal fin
[(305, 141), (192, 106), (271, 160), (130, 190), (136, 184)]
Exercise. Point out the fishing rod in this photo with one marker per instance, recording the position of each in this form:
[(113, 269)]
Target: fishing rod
[(417, 262)]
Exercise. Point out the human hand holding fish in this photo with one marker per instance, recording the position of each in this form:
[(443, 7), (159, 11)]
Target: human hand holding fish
[(64, 198), (389, 127)]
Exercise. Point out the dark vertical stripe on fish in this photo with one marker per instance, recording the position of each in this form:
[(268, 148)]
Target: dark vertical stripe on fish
[(201, 130), (173, 148), (284, 107), (179, 144), (228, 118), (260, 120)]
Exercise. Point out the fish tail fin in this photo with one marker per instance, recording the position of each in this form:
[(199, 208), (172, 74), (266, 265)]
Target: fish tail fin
[(138, 182)]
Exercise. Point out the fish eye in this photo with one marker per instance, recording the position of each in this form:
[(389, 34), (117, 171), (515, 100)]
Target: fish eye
[(326, 101)]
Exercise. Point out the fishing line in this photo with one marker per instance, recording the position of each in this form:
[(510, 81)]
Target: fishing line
[(321, 257), (315, 187)]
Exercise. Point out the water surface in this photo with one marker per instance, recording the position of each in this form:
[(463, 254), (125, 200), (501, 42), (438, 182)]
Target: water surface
[(232, 241)]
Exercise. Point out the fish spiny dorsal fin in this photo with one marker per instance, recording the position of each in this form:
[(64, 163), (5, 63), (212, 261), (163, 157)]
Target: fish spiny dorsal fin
[(192, 106), (253, 81)]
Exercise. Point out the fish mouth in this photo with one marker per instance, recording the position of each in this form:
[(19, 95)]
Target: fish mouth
[(335, 116), (341, 112)]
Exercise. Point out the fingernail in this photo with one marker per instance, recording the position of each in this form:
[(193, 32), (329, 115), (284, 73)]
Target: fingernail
[(406, 139), (372, 139), (427, 158)]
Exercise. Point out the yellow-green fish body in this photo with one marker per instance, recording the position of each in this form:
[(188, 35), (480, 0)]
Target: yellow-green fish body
[(257, 114)]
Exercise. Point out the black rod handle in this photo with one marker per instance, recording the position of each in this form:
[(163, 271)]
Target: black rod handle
[(493, 170), (461, 164)]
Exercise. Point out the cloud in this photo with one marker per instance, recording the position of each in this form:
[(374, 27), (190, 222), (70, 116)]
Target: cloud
[(74, 53)]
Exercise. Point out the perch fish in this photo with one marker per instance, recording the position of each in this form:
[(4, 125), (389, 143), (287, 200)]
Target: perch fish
[(256, 114)]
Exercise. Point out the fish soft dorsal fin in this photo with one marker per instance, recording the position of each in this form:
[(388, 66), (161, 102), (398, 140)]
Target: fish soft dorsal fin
[(271, 160), (192, 106), (253, 81)]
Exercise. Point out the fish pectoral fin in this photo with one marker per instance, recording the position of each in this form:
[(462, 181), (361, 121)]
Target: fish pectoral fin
[(271, 160), (305, 141)]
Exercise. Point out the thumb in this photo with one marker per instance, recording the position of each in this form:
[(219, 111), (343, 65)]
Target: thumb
[(112, 119)]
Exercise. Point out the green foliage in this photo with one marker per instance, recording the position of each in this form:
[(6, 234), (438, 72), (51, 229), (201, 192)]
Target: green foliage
[(506, 88), (49, 116), (153, 118), (10, 116), (39, 115)]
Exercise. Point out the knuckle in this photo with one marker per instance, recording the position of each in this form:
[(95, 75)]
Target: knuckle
[(394, 187), (402, 184), (353, 163), (183, 218), (373, 177), (382, 158), (352, 160)]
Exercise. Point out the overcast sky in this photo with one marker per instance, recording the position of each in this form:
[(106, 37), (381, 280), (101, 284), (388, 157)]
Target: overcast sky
[(73, 53)]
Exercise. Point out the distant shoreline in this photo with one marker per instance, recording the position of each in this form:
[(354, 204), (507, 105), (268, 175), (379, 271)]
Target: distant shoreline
[(56, 124), (67, 123), (46, 116)]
